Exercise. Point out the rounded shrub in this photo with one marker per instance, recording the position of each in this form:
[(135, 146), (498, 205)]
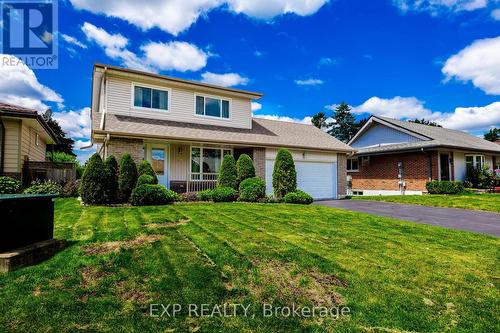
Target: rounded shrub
[(9, 185), (145, 179), (244, 168), (444, 187), (148, 195), (205, 195), (145, 168), (111, 188), (284, 174), (224, 194), (93, 182), (252, 189), (44, 187), (298, 197), (227, 176), (127, 178)]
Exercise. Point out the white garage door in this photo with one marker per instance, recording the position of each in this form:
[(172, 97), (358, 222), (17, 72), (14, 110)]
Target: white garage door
[(319, 179)]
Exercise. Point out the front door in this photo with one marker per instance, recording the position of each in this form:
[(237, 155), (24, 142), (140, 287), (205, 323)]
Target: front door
[(445, 166), (158, 157)]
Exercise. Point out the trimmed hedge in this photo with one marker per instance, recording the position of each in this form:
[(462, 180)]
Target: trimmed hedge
[(128, 176), (111, 188), (252, 189), (9, 185), (148, 195), (298, 197), (227, 176), (205, 195), (146, 179), (444, 187), (244, 168), (284, 174), (223, 194), (145, 168), (48, 187), (93, 182)]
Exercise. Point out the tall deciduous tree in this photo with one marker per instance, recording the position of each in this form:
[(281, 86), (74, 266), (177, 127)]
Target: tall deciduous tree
[(424, 121), (65, 144), (492, 135), (344, 126), (319, 120)]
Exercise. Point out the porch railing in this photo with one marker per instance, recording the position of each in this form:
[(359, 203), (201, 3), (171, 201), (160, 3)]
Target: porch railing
[(201, 181)]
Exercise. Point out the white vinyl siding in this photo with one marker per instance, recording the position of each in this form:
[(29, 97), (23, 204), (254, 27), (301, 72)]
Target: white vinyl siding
[(182, 102)]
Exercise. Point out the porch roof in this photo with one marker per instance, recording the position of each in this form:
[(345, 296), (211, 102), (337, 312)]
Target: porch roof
[(264, 132)]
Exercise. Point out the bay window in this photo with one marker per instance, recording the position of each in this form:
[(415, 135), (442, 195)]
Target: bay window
[(212, 107), (150, 98), (206, 162)]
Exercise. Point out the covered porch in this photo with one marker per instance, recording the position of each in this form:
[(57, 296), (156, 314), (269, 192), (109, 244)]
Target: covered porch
[(193, 167)]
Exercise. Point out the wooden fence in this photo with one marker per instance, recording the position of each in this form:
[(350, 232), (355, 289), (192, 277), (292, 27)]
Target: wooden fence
[(59, 172)]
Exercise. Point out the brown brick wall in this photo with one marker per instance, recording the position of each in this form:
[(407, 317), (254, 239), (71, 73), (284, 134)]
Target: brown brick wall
[(259, 161), (381, 173), (120, 146), (341, 175)]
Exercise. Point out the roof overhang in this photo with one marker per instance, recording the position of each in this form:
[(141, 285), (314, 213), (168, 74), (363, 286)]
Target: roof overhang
[(34, 120), (101, 134)]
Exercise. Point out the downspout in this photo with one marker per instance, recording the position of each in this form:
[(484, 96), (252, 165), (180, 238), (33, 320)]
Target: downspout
[(103, 108), (2, 148)]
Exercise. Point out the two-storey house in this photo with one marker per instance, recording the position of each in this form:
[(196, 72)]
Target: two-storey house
[(184, 129)]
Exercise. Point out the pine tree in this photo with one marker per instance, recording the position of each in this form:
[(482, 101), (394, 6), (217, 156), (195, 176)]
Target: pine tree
[(344, 126), (493, 135), (319, 120)]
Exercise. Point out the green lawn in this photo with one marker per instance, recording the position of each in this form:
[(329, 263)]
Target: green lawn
[(394, 276), (488, 202)]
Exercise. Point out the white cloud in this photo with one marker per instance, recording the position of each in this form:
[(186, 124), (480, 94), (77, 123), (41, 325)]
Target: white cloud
[(496, 14), (437, 6), (479, 63), (175, 16), (309, 82), (472, 118), (72, 40), (256, 106), (267, 9), (326, 61), (462, 118), (180, 56), (396, 107), (75, 124), (19, 85), (305, 120), (225, 80)]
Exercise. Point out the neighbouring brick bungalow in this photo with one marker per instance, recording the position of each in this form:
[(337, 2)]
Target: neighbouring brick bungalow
[(399, 157)]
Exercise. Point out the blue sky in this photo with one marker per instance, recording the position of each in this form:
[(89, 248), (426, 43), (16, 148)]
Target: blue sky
[(438, 59)]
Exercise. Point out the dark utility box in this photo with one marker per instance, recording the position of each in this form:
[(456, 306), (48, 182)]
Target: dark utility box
[(25, 219)]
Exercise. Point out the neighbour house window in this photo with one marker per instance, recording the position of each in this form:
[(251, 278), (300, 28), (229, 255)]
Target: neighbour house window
[(352, 164), (206, 162), (212, 107), (474, 161), (150, 98)]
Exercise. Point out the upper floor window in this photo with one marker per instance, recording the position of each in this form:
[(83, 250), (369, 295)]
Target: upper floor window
[(352, 164), (150, 98), (212, 107), (474, 161)]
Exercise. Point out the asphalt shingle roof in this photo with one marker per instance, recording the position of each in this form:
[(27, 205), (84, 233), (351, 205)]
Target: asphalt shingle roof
[(438, 137), (264, 132)]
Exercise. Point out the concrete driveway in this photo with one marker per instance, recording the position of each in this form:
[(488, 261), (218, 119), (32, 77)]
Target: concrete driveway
[(461, 219)]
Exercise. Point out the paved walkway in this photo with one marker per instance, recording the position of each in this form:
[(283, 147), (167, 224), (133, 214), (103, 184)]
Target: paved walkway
[(462, 219)]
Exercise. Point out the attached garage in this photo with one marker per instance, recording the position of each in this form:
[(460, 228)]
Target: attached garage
[(316, 173)]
